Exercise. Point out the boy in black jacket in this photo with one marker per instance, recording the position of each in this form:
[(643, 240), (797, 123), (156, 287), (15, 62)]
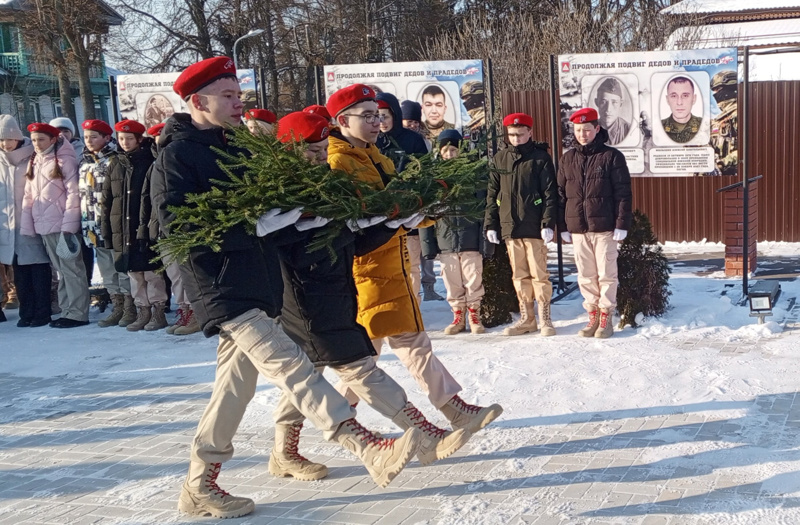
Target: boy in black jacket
[(521, 208)]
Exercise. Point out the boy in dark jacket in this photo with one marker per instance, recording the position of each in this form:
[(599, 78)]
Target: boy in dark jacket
[(521, 208), (458, 242), (122, 195), (594, 213), (237, 293), (331, 337)]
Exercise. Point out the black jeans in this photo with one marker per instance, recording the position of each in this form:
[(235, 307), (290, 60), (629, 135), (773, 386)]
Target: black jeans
[(33, 290)]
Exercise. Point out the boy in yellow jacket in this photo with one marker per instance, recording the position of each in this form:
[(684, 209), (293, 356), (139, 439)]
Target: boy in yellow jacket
[(387, 307)]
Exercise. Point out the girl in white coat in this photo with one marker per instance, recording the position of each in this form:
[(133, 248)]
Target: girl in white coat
[(51, 208)]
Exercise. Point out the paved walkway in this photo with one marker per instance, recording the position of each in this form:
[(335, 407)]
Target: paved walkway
[(89, 451)]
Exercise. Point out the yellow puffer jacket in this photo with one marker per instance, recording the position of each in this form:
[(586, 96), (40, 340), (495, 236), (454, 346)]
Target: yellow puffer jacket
[(386, 304)]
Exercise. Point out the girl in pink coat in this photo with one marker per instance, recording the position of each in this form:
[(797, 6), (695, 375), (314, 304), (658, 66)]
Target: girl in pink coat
[(51, 208)]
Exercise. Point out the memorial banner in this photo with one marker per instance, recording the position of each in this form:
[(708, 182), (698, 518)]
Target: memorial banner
[(672, 113), (450, 92), (149, 98)]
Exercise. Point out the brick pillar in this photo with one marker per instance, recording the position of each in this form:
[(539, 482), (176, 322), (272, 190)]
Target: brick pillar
[(734, 230)]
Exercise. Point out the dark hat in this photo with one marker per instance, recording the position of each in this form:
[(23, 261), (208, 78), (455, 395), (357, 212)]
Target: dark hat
[(41, 127), (155, 130), (99, 126), (264, 115), (518, 119), (584, 115), (610, 85), (449, 137), (200, 74), (349, 96), (411, 110), (316, 109), (130, 126), (307, 127)]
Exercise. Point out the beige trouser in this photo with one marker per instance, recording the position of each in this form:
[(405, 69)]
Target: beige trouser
[(148, 288), (73, 292), (415, 351), (415, 255), (176, 283), (363, 377), (462, 274), (528, 258), (596, 259), (250, 344), (115, 282)]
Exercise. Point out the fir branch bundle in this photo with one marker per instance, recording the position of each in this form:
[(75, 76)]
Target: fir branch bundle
[(275, 175)]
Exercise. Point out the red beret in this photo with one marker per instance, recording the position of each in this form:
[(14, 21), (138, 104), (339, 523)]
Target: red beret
[(584, 115), (518, 119), (41, 127), (155, 130), (299, 125), (382, 104), (200, 74), (316, 109), (98, 126), (129, 126), (261, 114), (349, 96)]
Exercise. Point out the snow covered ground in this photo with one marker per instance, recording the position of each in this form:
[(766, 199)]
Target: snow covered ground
[(691, 418)]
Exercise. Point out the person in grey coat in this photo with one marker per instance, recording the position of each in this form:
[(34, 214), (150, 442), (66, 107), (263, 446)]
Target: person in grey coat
[(26, 253)]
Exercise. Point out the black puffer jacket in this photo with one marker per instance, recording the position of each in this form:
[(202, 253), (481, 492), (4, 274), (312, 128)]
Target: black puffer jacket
[(526, 190), (319, 300), (594, 188), (398, 143), (246, 273), (122, 193), (148, 218)]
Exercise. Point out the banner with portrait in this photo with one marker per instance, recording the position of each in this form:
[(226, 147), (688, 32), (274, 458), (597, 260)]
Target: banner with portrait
[(149, 99), (450, 93), (672, 113)]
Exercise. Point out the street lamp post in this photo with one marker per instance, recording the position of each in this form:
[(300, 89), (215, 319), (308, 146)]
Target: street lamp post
[(251, 33)]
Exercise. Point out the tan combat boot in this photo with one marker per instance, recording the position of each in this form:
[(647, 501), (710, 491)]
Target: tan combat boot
[(142, 319), (191, 325), (591, 327), (546, 324), (117, 311), (437, 443), (475, 324), (526, 323), (180, 321), (285, 460), (130, 314), (158, 320), (384, 458), (469, 417), (201, 496), (606, 324), (458, 324)]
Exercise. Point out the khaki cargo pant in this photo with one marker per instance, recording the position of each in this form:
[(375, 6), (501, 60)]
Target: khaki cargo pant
[(115, 282), (73, 292), (148, 288), (174, 274), (415, 351), (421, 269), (363, 377), (528, 258), (462, 274), (596, 259), (250, 344)]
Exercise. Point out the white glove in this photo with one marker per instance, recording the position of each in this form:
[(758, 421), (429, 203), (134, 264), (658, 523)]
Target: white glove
[(619, 235), (408, 222), (361, 224), (310, 223), (491, 236), (547, 235), (566, 237), (274, 220)]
